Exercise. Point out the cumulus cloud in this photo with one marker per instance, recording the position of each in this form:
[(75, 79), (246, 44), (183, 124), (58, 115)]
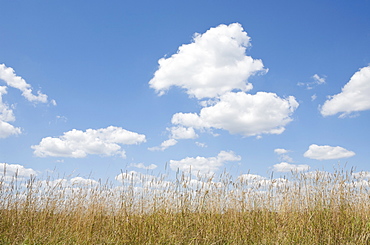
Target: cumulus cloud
[(204, 165), (78, 144), (141, 165), (287, 167), (241, 113), (165, 144), (355, 96), (11, 79), (213, 64), (326, 152)]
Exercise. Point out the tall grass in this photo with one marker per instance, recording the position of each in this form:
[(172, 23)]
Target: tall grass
[(307, 208)]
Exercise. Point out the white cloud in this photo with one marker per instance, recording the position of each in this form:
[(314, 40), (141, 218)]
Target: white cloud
[(287, 167), (204, 165), (318, 80), (6, 116), (8, 75), (6, 129), (326, 152), (280, 151), (313, 97), (213, 64), (11, 170), (241, 113), (355, 96), (180, 132), (11, 79), (203, 145), (250, 178), (78, 144), (283, 155), (165, 144), (79, 181), (141, 165), (135, 177), (361, 175)]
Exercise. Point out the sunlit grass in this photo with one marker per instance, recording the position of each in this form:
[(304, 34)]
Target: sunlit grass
[(306, 208)]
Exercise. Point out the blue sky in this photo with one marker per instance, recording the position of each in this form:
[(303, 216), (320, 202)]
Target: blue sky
[(93, 89)]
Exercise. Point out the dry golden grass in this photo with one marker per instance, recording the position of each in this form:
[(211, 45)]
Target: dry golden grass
[(308, 208)]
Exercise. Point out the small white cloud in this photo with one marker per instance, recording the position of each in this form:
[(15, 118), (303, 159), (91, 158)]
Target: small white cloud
[(203, 145), (241, 113), (313, 97), (318, 80), (280, 151), (250, 178), (283, 155), (6, 116), (180, 132), (6, 129), (78, 144), (165, 144), (326, 152), (213, 64), (135, 177), (142, 166), (287, 167), (79, 181), (11, 79), (355, 96), (204, 165), (8, 75)]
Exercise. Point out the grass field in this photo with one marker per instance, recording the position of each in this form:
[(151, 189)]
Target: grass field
[(306, 208)]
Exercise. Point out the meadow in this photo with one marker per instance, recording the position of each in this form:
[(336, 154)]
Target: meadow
[(304, 208)]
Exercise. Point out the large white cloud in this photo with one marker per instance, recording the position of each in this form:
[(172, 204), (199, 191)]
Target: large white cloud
[(78, 144), (204, 165), (241, 113), (213, 64), (326, 152), (355, 96)]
